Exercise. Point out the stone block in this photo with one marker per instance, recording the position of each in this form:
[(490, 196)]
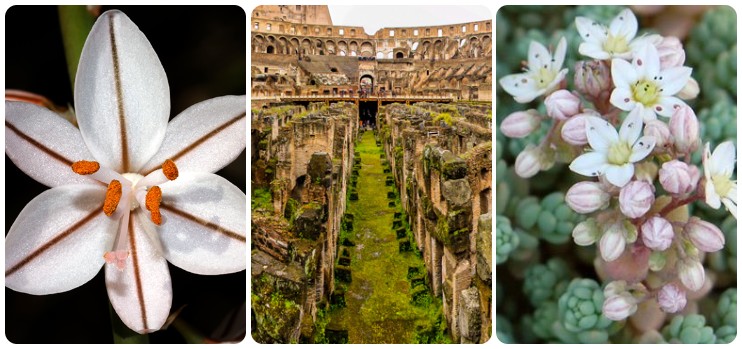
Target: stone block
[(469, 315), (484, 248), (457, 194)]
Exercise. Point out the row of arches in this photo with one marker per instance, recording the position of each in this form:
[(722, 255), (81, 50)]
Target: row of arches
[(471, 46)]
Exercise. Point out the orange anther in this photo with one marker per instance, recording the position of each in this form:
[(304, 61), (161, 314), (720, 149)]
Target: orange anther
[(152, 203), (113, 196), (85, 167), (170, 170)]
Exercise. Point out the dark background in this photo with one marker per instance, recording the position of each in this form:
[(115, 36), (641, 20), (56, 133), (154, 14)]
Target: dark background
[(203, 51)]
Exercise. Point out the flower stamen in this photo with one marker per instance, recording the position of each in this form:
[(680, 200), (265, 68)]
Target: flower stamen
[(85, 167), (152, 203), (170, 170), (118, 258), (113, 196)]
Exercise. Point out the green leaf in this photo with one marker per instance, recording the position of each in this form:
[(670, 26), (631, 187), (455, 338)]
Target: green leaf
[(75, 22), (122, 334)]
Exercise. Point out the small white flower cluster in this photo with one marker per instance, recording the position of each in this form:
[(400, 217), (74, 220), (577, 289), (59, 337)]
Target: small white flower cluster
[(639, 229)]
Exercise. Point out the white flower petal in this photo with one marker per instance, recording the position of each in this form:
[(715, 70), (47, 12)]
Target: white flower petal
[(731, 206), (589, 164), (642, 148), (672, 80), (600, 133), (712, 198), (622, 99), (625, 25), (619, 175), (43, 145), (204, 229), (141, 293), (521, 86), (205, 137), (122, 98), (647, 113), (631, 127), (706, 164), (623, 74), (58, 241), (593, 50), (559, 54), (538, 56), (722, 159), (647, 62), (652, 39), (667, 105), (590, 31)]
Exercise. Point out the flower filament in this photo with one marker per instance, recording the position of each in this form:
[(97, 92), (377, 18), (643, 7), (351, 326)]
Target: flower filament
[(616, 44), (619, 153), (646, 92)]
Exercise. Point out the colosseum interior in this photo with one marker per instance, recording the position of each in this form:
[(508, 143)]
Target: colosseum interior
[(371, 180)]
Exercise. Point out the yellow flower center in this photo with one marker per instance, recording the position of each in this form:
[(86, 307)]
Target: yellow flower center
[(722, 184), (544, 77), (619, 153), (645, 92), (615, 44)]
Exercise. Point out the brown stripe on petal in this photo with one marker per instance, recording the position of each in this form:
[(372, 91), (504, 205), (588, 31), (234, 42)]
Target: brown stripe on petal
[(119, 98), (137, 276), (43, 248), (216, 228), (51, 153), (203, 139)]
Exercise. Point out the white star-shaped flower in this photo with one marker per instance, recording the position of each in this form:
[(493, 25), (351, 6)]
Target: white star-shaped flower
[(617, 41), (117, 199), (718, 169), (614, 153), (642, 85), (542, 76)]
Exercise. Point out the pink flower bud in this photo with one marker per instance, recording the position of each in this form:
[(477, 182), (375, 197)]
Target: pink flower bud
[(586, 197), (657, 233), (671, 52), (593, 78), (684, 129), (671, 298), (691, 273), (586, 232), (562, 104), (613, 242), (679, 178), (690, 90), (704, 235), (520, 123), (573, 131), (661, 133), (636, 198), (527, 163), (619, 307)]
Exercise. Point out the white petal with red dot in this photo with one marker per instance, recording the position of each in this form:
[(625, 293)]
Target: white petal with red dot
[(631, 128), (204, 230), (673, 80), (642, 148), (624, 25), (590, 31), (623, 74), (43, 145), (122, 98), (600, 133), (58, 240), (590, 164)]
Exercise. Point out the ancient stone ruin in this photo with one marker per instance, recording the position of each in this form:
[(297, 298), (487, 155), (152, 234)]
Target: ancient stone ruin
[(371, 213)]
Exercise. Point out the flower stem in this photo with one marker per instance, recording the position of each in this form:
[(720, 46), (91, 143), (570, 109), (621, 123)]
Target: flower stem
[(75, 22)]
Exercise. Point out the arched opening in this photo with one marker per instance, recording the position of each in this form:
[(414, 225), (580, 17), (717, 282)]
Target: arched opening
[(270, 49), (367, 84), (400, 55), (334, 70), (367, 113), (485, 198)]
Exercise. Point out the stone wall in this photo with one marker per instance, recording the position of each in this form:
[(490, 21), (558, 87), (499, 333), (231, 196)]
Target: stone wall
[(440, 156), (302, 164)]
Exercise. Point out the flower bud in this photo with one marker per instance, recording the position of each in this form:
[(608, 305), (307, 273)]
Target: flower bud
[(657, 233), (636, 198), (619, 307), (691, 273), (586, 197), (521, 123), (586, 232), (527, 163), (613, 242), (661, 133), (562, 104), (671, 298), (706, 236), (684, 129), (678, 178), (690, 90), (615, 288), (671, 52), (593, 78), (573, 131), (646, 171)]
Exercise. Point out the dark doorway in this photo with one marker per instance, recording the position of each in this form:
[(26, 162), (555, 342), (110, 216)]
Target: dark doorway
[(367, 113), (485, 198), (270, 49), (400, 55)]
